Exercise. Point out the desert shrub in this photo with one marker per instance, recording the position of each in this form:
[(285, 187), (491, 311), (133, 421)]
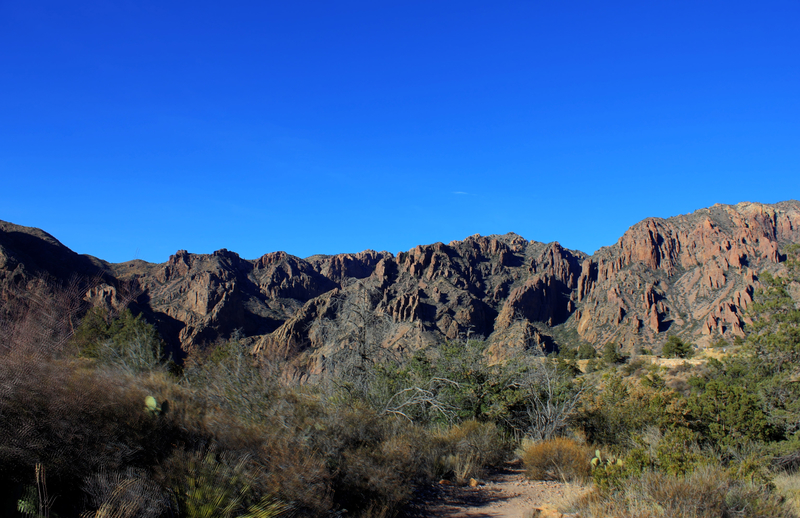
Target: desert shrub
[(463, 451), (375, 460), (609, 475), (209, 484), (542, 397), (125, 494), (472, 394), (124, 341), (371, 459), (556, 459), (623, 408), (88, 426), (567, 353), (707, 491), (586, 352), (612, 354), (74, 421), (704, 493), (678, 452), (277, 442), (38, 317), (674, 347), (728, 414), (788, 486), (229, 377), (635, 366)]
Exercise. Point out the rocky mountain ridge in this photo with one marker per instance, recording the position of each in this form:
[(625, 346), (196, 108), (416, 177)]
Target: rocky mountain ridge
[(692, 275)]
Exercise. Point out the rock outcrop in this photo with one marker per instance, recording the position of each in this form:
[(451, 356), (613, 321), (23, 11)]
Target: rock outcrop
[(693, 275)]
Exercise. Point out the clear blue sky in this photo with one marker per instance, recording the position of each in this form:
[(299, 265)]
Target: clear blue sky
[(134, 128)]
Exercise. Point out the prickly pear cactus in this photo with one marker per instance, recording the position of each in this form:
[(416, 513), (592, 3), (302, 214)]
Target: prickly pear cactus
[(597, 460), (607, 473), (151, 405)]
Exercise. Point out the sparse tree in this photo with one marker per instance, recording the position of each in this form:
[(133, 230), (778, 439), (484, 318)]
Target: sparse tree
[(357, 334)]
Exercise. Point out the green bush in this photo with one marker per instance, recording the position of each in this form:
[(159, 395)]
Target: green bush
[(608, 473), (623, 408), (586, 352), (678, 452), (728, 414), (676, 348), (125, 341), (207, 484), (612, 354)]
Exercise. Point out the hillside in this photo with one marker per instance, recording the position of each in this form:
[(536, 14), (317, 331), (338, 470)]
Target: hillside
[(691, 275)]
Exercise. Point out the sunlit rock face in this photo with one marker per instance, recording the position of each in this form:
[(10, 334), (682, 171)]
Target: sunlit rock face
[(692, 275)]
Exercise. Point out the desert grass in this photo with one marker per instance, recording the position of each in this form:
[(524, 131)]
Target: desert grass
[(788, 486), (706, 492), (555, 459)]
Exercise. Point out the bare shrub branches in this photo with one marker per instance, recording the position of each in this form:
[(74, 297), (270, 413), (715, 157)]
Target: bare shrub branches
[(426, 398), (39, 318), (551, 398), (357, 334)]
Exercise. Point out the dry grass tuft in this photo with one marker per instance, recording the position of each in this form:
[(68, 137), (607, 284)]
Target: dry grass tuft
[(788, 486), (704, 493), (556, 459)]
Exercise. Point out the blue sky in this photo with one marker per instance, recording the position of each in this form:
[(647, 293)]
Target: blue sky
[(132, 129)]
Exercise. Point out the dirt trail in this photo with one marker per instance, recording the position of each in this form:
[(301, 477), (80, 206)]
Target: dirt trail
[(504, 493)]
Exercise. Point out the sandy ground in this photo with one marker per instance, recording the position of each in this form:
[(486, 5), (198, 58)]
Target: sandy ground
[(503, 493)]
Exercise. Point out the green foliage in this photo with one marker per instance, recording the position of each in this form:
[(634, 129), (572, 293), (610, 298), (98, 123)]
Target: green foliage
[(124, 340), (638, 460), (567, 353), (775, 332), (728, 414), (612, 354), (586, 352), (608, 473), (474, 388), (210, 487), (677, 348), (623, 408), (678, 453), (453, 382), (720, 343)]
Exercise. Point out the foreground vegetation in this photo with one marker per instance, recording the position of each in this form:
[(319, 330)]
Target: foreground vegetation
[(95, 423)]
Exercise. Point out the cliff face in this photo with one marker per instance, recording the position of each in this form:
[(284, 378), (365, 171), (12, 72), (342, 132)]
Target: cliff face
[(478, 286), (692, 275)]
